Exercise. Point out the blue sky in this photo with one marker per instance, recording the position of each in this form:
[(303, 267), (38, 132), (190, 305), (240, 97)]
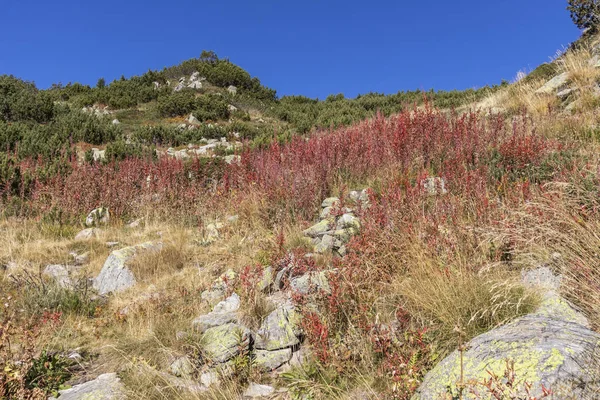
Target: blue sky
[(309, 47)]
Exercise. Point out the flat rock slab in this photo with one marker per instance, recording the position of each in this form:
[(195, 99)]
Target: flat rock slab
[(115, 276), (271, 360), (105, 387), (552, 348)]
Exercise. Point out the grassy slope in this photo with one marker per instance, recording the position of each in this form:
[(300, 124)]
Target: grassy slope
[(462, 268)]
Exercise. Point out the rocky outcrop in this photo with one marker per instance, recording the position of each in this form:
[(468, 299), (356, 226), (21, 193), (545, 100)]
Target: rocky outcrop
[(105, 387), (115, 276), (221, 343), (224, 312), (552, 348)]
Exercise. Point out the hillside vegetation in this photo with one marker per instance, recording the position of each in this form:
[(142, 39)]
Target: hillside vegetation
[(435, 204)]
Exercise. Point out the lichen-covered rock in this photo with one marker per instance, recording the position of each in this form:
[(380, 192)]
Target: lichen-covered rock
[(318, 229), (98, 216), (115, 276), (330, 202), (256, 391), (182, 367), (280, 329), (217, 291), (222, 343), (325, 245), (361, 196), (223, 313), (347, 221), (552, 348), (105, 387), (271, 360), (311, 281)]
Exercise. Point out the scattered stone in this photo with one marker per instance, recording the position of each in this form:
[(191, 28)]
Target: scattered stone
[(359, 196), (434, 186), (218, 289), (98, 216), (182, 367), (105, 387), (179, 87), (232, 90), (195, 85), (115, 276), (98, 154), (271, 360), (75, 357), (266, 279), (232, 108), (60, 275), (193, 120), (325, 245), (210, 378), (222, 343), (280, 329), (347, 221), (81, 259), (88, 233), (116, 122), (256, 391), (311, 281)]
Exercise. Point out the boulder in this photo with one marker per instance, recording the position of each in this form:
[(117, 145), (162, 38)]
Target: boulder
[(115, 276), (116, 122), (347, 221), (222, 343), (88, 233), (105, 387), (269, 361), (195, 85), (98, 216), (325, 245), (232, 90), (193, 120), (552, 348), (280, 329), (256, 391)]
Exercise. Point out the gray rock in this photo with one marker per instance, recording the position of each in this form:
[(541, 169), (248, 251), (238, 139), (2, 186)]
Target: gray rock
[(326, 213), (195, 85), (98, 216), (223, 313), (325, 245), (115, 276), (60, 275), (88, 233), (116, 122), (182, 367), (280, 329), (232, 90), (330, 202), (105, 387), (193, 120), (347, 221), (179, 87), (359, 196), (434, 186), (232, 108), (552, 348), (311, 281), (135, 224), (222, 343), (268, 361), (210, 378), (554, 84), (318, 229), (232, 159), (256, 391)]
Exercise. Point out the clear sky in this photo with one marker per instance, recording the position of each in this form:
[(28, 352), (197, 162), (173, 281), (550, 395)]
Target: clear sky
[(309, 47)]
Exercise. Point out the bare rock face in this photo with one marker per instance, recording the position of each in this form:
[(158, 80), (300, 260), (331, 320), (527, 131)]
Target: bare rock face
[(105, 387), (115, 276), (552, 348)]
